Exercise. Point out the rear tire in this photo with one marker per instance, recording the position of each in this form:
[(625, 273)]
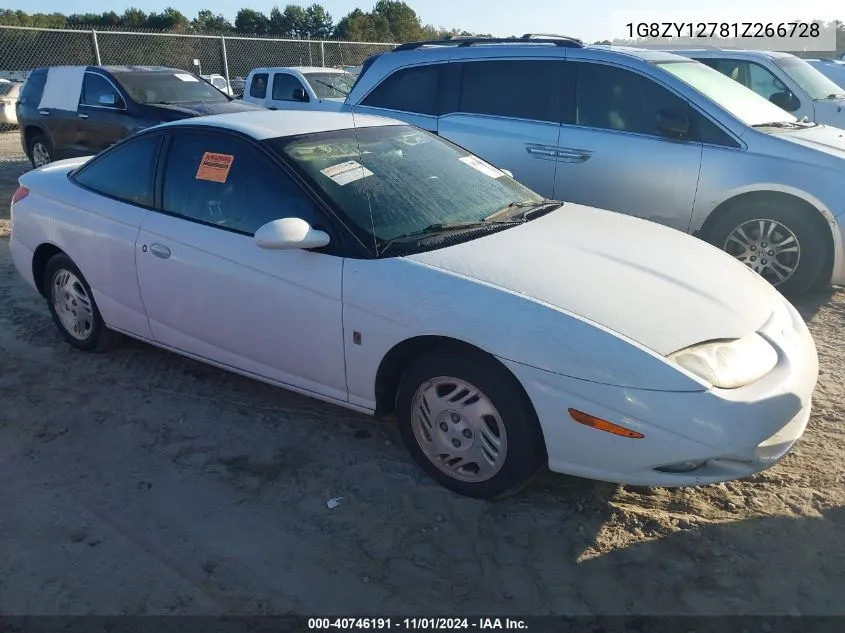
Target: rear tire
[(467, 423), (40, 150), (780, 242), (73, 308)]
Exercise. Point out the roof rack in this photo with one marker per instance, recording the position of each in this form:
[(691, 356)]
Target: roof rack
[(558, 40)]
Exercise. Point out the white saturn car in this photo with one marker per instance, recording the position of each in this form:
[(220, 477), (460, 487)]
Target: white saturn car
[(376, 266)]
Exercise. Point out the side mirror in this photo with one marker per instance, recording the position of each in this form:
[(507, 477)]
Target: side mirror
[(290, 234), (672, 124), (786, 101), (299, 94), (107, 100), (507, 172)]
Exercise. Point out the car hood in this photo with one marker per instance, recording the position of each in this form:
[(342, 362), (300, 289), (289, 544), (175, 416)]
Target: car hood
[(824, 138), (201, 108), (654, 285)]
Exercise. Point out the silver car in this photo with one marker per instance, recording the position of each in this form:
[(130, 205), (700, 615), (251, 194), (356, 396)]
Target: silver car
[(784, 79), (645, 133)]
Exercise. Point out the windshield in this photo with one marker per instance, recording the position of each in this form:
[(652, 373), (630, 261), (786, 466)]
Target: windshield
[(330, 85), (834, 71), (811, 81), (167, 88), (746, 105), (6, 88), (409, 179)]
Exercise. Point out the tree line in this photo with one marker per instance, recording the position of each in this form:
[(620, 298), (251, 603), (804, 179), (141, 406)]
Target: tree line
[(388, 21)]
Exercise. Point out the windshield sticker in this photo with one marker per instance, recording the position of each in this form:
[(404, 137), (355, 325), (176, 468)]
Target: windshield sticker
[(480, 165), (215, 167), (185, 77), (345, 173)]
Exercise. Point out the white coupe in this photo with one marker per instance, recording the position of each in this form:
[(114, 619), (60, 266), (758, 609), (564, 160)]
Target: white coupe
[(376, 266)]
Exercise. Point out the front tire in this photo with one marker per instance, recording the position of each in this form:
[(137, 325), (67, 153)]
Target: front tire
[(781, 243), (467, 423), (40, 150), (73, 308)]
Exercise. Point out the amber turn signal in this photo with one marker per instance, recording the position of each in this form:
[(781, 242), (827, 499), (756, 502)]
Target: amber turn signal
[(603, 425)]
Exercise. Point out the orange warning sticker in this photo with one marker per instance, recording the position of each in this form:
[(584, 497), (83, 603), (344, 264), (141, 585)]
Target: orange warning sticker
[(215, 167)]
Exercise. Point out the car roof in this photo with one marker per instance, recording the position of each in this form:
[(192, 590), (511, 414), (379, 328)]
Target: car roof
[(733, 52), (302, 69), (140, 69), (262, 124), (646, 54)]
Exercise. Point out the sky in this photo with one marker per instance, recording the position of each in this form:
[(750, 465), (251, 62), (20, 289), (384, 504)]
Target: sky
[(589, 20)]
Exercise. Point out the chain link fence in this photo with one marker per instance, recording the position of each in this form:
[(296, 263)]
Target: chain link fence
[(25, 48)]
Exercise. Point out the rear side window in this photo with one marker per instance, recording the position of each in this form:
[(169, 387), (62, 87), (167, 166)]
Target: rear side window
[(258, 86), (284, 86), (126, 173), (519, 89), (412, 90), (33, 88), (617, 99)]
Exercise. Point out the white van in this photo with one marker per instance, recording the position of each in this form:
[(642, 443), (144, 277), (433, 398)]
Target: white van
[(298, 88)]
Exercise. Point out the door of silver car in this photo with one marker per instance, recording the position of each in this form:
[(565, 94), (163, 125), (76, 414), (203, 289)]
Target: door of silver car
[(627, 144)]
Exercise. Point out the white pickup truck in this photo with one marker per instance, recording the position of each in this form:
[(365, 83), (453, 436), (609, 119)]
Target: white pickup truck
[(298, 88)]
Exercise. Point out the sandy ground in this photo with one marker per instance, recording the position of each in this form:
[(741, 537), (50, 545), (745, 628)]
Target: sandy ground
[(138, 482)]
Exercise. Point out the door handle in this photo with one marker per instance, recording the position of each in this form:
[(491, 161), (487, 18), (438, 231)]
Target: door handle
[(44, 112), (542, 150), (574, 155), (160, 250), (82, 115)]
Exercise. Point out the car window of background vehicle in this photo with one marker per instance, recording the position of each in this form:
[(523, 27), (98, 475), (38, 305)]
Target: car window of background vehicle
[(742, 103), (284, 85), (258, 86), (814, 83), (164, 87), (126, 172), (94, 86), (617, 99), (519, 89), (252, 192), (393, 180), (409, 90), (330, 85)]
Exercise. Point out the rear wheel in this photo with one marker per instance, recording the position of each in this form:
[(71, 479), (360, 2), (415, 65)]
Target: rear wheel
[(72, 306), (40, 150), (781, 243), (468, 424)]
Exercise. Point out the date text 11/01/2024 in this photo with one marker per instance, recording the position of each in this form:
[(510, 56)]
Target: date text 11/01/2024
[(724, 29), (416, 624)]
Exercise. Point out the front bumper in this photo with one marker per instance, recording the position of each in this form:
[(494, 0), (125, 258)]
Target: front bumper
[(735, 433)]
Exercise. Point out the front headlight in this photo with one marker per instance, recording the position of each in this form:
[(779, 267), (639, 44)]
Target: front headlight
[(729, 364)]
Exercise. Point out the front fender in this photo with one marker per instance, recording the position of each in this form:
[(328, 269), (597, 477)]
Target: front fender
[(389, 301)]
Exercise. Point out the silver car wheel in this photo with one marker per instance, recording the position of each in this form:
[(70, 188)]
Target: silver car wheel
[(40, 155), (72, 304), (458, 429), (767, 247)]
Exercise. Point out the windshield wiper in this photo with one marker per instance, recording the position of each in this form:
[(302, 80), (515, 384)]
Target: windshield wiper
[(442, 227), (776, 124), (530, 209), (328, 85)]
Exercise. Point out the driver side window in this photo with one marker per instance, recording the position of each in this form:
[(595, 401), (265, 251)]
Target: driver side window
[(224, 181), (97, 91)]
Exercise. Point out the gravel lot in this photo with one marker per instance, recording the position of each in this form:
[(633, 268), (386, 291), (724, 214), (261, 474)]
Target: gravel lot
[(138, 482)]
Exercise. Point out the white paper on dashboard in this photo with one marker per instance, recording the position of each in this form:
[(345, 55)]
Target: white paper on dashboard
[(479, 165), (345, 173)]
